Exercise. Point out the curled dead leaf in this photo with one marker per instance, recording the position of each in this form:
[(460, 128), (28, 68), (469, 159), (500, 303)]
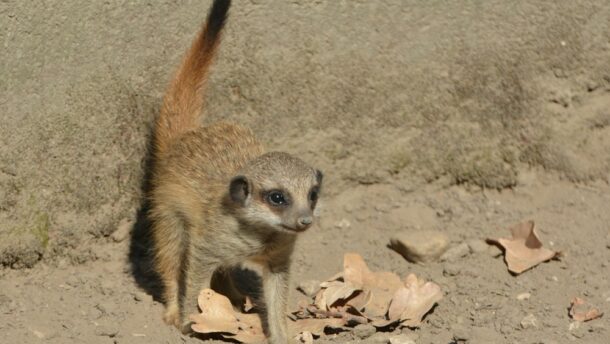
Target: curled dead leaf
[(524, 250), (333, 292), (411, 302), (380, 286), (582, 311), (217, 316)]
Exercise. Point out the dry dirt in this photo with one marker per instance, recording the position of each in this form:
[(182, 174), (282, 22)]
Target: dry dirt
[(464, 117)]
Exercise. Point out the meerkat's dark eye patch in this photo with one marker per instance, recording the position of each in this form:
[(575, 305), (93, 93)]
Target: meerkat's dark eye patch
[(277, 198), (313, 195)]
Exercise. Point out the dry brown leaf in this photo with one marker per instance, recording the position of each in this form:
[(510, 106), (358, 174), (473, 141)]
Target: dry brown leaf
[(524, 250), (582, 311), (361, 300), (217, 316), (411, 302), (380, 286), (333, 292)]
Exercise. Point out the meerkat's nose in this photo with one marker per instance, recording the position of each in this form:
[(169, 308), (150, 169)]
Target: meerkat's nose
[(304, 221)]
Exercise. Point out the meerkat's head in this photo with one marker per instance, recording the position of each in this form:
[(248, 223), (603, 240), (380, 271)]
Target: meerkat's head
[(276, 191)]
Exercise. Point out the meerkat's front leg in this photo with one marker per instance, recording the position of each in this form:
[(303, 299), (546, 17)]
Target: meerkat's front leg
[(275, 288)]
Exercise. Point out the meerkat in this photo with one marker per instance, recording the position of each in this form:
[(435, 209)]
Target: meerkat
[(218, 199)]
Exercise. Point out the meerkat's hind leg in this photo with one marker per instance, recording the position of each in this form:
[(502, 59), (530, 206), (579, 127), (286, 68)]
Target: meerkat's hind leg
[(170, 246), (198, 276)]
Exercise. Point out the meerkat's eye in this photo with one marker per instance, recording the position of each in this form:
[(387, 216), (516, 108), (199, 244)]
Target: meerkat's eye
[(276, 198)]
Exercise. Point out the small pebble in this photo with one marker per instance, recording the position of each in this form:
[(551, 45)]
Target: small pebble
[(451, 270), (73, 281), (309, 288), (456, 252), (141, 296), (123, 230), (305, 338), (106, 331), (344, 223), (576, 330), (364, 330), (38, 334), (523, 296), (529, 321)]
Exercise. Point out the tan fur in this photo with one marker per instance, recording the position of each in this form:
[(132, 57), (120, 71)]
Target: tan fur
[(211, 206)]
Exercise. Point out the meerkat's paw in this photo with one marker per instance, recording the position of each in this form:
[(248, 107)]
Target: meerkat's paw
[(172, 315), (185, 327)]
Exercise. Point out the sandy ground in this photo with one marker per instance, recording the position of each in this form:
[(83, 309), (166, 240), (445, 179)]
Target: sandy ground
[(462, 117), (101, 302)]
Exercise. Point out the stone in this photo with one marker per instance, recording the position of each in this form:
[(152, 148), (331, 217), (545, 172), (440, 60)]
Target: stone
[(344, 223), (420, 246), (305, 338), (576, 330), (142, 296), (451, 270), (529, 321), (123, 230), (402, 339), (364, 330), (106, 331), (309, 288), (456, 252), (523, 296)]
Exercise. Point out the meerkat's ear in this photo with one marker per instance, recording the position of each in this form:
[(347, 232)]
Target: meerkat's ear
[(319, 176), (239, 189)]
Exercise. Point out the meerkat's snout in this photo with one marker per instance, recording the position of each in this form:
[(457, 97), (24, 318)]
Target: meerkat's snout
[(305, 221), (299, 221)]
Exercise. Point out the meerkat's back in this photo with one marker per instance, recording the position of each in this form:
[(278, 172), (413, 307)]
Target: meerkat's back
[(211, 154)]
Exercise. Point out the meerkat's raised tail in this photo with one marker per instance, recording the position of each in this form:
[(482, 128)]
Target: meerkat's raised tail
[(183, 101)]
